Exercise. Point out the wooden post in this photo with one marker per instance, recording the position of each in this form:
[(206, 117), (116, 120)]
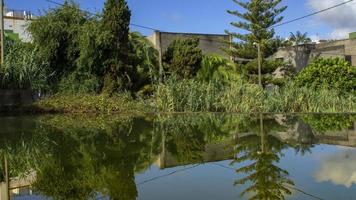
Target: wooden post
[(2, 37), (259, 64)]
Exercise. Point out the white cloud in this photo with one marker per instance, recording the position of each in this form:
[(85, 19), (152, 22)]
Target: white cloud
[(342, 19), (338, 168)]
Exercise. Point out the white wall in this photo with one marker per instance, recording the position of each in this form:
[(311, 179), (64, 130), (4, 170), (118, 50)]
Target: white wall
[(19, 27)]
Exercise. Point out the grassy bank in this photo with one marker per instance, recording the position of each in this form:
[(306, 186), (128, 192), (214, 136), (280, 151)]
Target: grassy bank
[(87, 103), (196, 96)]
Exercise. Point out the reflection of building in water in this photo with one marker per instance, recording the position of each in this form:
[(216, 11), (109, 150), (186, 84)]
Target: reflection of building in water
[(212, 153), (301, 132), (21, 192), (17, 187)]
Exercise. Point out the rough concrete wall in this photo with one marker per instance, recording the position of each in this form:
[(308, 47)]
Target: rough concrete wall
[(209, 44), (334, 49), (19, 27), (15, 97), (350, 49), (298, 56)]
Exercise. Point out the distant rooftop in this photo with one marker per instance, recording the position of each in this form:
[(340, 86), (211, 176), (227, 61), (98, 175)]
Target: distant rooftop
[(18, 13)]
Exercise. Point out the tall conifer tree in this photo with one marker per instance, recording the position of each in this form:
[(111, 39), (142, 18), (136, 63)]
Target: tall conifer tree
[(115, 38), (256, 21)]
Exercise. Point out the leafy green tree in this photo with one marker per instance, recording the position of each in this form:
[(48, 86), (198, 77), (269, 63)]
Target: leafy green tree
[(183, 57), (56, 34), (115, 46), (299, 38)]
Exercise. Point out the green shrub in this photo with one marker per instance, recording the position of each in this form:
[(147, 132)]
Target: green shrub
[(218, 69), (183, 57), (333, 73), (267, 69)]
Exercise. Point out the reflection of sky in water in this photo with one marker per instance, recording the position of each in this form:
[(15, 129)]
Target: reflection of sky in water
[(325, 173), (338, 168)]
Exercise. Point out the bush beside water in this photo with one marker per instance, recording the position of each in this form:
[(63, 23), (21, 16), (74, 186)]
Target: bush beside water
[(194, 96)]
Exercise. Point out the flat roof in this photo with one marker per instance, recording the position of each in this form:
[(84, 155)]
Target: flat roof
[(208, 34)]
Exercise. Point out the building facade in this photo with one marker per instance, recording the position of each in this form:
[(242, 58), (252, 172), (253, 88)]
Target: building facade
[(15, 24), (300, 55), (211, 44)]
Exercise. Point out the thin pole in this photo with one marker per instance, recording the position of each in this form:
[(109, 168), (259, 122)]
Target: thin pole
[(259, 64), (2, 30)]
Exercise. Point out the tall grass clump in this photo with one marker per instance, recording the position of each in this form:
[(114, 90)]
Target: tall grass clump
[(21, 69), (196, 96), (293, 98), (187, 96)]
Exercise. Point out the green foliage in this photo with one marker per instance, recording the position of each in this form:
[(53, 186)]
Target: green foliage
[(56, 34), (332, 73), (22, 69), (218, 69), (183, 57), (257, 19), (144, 57), (94, 54), (196, 96), (268, 67), (323, 123), (90, 103), (292, 98), (115, 45), (299, 38), (187, 95)]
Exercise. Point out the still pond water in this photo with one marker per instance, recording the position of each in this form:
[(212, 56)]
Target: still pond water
[(207, 156)]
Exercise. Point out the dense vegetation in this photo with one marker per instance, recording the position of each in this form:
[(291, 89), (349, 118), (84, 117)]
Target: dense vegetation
[(92, 63)]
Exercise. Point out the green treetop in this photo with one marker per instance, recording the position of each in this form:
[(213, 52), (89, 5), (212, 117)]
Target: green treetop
[(257, 20), (115, 39)]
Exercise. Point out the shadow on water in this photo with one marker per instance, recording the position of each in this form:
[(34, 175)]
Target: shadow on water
[(94, 157)]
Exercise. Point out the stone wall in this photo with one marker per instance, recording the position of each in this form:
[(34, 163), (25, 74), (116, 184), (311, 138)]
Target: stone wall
[(209, 43)]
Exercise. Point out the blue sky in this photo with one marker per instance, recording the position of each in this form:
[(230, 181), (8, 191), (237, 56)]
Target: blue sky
[(209, 16)]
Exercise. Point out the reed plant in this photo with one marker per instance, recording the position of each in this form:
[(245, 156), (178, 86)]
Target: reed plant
[(196, 96)]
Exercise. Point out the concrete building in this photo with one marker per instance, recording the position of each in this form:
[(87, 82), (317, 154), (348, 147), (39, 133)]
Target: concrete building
[(15, 23), (300, 55), (209, 43)]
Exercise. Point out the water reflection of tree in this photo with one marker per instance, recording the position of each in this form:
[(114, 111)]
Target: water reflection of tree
[(186, 136), (88, 161), (260, 152), (80, 158)]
